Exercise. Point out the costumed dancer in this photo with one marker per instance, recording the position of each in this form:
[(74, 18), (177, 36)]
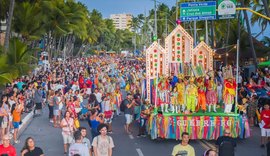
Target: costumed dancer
[(211, 94), (229, 90), (191, 95), (163, 93), (201, 95), (181, 87), (174, 101)]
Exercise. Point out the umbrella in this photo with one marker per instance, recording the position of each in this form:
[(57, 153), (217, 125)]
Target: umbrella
[(266, 63)]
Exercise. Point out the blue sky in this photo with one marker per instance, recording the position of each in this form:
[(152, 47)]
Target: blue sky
[(135, 7), (107, 7)]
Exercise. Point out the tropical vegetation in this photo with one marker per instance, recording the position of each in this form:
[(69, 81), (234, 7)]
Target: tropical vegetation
[(66, 28)]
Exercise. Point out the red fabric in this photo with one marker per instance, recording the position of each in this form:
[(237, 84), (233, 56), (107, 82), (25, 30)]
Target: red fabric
[(10, 150), (108, 114), (89, 83), (265, 115)]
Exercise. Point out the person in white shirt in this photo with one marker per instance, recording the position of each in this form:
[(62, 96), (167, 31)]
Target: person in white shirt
[(98, 95), (78, 147)]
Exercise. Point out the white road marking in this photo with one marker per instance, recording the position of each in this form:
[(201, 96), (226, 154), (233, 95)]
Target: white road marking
[(209, 144), (139, 151), (131, 136)]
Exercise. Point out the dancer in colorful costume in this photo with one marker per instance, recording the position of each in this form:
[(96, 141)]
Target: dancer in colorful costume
[(163, 93), (174, 101), (201, 95), (211, 94), (229, 89), (191, 95), (181, 87)]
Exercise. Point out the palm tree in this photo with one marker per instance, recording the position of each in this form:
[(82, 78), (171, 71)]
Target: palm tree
[(9, 21), (28, 21), (16, 62), (261, 7)]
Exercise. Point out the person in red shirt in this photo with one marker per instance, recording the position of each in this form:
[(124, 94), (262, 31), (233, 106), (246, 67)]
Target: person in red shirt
[(265, 124), (6, 148)]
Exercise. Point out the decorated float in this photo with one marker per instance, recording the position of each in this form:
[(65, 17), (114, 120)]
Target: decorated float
[(180, 83)]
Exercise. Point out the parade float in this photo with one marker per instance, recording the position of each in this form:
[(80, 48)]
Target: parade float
[(180, 84)]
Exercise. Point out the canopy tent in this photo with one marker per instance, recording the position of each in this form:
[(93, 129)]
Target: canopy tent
[(266, 63)]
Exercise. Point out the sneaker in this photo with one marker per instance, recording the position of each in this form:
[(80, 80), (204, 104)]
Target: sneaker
[(51, 121), (110, 132), (144, 135), (17, 141), (262, 145), (139, 135)]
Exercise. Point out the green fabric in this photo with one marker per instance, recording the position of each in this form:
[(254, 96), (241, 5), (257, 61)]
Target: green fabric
[(266, 63)]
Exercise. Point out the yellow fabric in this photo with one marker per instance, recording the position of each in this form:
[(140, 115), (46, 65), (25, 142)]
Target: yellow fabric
[(76, 123), (189, 150), (181, 89)]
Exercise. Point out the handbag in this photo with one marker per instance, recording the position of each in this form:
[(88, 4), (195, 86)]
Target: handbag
[(76, 123)]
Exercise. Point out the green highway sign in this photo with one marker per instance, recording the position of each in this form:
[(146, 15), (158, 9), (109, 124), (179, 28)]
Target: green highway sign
[(198, 11)]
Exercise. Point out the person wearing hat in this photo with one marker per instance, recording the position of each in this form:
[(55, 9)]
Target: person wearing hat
[(103, 144)]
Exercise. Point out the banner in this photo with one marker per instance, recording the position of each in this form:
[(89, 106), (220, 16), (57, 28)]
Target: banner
[(199, 127)]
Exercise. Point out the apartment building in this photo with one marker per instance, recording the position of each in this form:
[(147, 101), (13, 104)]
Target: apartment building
[(121, 21)]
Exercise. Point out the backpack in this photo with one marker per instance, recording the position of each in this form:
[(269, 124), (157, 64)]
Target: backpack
[(123, 106), (226, 148)]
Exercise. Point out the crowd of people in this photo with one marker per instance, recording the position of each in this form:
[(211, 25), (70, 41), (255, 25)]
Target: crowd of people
[(92, 89)]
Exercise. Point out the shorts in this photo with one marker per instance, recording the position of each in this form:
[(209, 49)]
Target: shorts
[(38, 105), (128, 118), (108, 120), (16, 125), (4, 124), (68, 139), (56, 112), (265, 132)]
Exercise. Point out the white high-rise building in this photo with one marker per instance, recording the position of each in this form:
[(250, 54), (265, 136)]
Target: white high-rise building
[(121, 21)]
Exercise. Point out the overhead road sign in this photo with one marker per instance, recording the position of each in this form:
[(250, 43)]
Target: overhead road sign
[(194, 11)]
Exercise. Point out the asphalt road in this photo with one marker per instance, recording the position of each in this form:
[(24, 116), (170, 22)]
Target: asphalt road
[(50, 140)]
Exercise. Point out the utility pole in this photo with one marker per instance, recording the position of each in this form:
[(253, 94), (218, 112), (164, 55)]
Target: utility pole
[(206, 32), (176, 11), (155, 18)]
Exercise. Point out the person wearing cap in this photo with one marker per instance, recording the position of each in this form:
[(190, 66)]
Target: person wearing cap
[(6, 148), (129, 103), (103, 144)]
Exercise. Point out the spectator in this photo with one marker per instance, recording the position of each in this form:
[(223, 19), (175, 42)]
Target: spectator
[(6, 148), (252, 108), (226, 144), (94, 120), (38, 101), (103, 143), (129, 104), (29, 148), (78, 148), (16, 111), (265, 124), (145, 113), (50, 105), (4, 115), (183, 149), (210, 152), (67, 125), (85, 140), (56, 111)]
